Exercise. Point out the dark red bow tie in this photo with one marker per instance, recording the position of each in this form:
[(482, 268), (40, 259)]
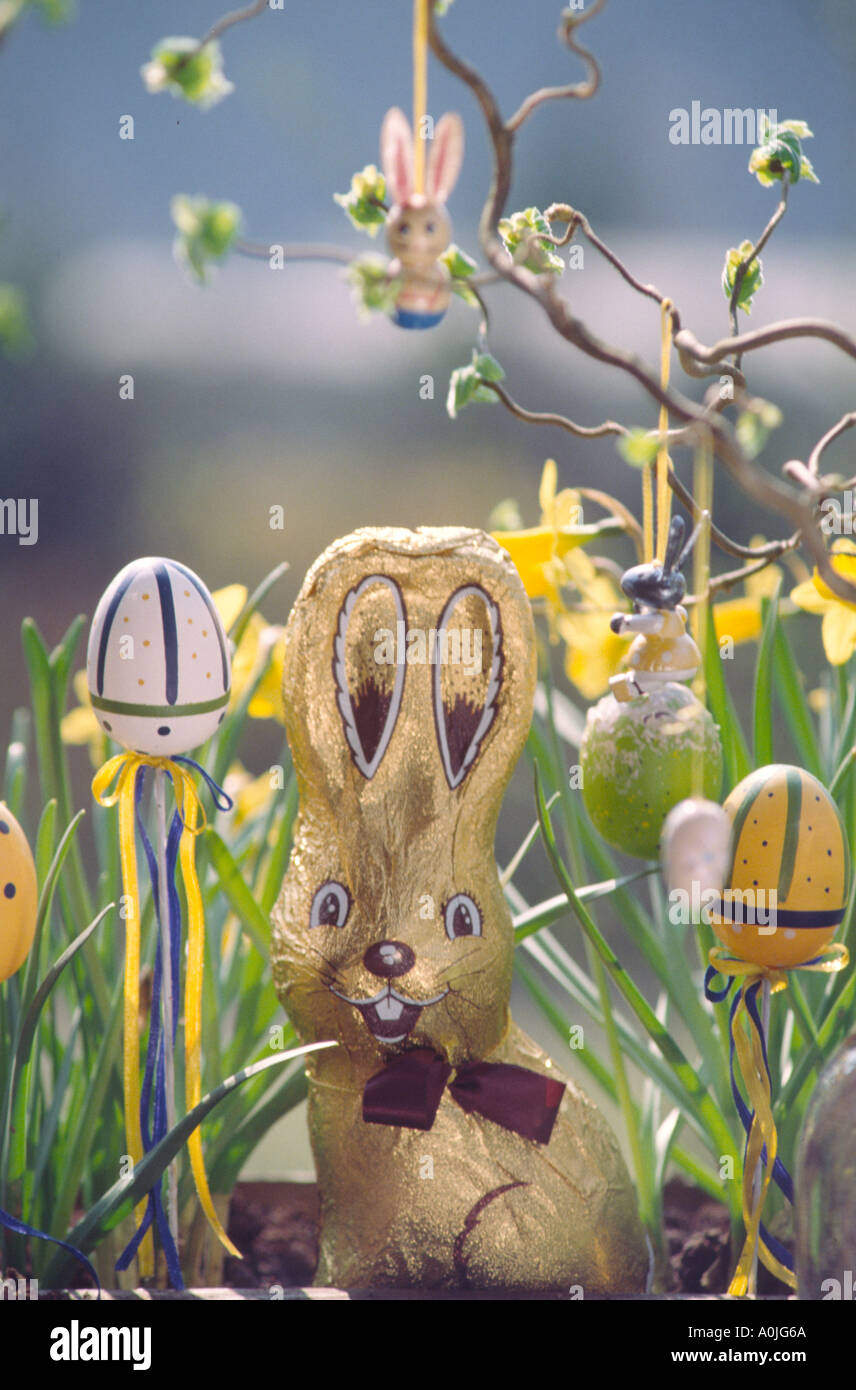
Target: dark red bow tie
[(409, 1088)]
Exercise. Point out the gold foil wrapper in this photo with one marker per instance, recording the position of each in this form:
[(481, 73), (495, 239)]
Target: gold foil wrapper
[(409, 681)]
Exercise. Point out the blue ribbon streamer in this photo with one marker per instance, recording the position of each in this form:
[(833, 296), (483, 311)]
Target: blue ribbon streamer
[(21, 1228), (781, 1176), (153, 1109)]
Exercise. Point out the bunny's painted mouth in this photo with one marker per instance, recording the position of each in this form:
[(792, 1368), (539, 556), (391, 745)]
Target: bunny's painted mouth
[(389, 1016)]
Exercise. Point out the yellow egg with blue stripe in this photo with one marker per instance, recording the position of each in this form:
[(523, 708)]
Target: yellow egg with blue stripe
[(158, 665), (789, 877), (19, 895)]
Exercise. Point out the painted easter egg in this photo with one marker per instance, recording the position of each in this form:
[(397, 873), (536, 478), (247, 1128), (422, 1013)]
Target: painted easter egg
[(19, 895), (789, 875), (639, 758), (158, 664)]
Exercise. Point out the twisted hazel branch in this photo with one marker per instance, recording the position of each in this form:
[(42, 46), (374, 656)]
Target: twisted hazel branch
[(304, 251), (580, 91), (690, 350), (538, 417), (765, 554), (234, 17), (727, 581), (757, 484), (845, 423), (744, 265)]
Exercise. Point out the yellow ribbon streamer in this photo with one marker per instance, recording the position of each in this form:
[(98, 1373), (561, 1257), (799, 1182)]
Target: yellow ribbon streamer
[(123, 768), (664, 463), (420, 90), (762, 1134)]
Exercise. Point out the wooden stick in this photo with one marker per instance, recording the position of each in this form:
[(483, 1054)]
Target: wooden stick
[(756, 1190), (167, 995)]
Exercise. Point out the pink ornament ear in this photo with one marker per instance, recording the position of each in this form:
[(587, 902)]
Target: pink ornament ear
[(396, 155), (446, 157)]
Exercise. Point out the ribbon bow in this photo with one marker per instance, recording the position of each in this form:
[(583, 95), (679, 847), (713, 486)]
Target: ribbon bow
[(128, 770), (758, 1122), (408, 1090)]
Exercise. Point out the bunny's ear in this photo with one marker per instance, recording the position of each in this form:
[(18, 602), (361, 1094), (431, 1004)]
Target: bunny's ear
[(396, 154), (446, 157), (467, 678), (368, 692)]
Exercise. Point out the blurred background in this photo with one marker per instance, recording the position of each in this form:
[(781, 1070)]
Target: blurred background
[(265, 388)]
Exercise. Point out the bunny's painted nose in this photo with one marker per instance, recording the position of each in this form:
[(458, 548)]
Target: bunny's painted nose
[(389, 959)]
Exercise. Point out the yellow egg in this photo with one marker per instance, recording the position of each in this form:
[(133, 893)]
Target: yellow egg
[(19, 895), (788, 881)]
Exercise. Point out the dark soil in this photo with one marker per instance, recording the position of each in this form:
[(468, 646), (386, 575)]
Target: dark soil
[(276, 1227)]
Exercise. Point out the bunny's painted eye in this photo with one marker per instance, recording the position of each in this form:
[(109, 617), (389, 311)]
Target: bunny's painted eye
[(462, 917), (330, 906), (404, 228), (430, 227)]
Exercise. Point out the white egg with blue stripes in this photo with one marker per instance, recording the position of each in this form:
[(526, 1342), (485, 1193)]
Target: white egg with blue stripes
[(158, 665)]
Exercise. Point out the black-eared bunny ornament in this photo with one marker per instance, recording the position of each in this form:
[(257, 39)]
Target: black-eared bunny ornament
[(417, 228), (449, 1151)]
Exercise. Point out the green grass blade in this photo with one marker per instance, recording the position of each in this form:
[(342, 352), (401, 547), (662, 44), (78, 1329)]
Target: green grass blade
[(762, 700), (256, 598), (118, 1201), (735, 751), (702, 1103), (552, 909), (238, 894), (791, 700)]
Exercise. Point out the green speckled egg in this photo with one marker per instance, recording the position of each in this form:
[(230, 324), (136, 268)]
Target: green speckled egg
[(641, 757)]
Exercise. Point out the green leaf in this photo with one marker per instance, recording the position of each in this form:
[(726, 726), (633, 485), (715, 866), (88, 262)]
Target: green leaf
[(552, 909), (180, 66), (466, 384), (255, 600), (364, 201), (373, 288), (754, 426), (735, 752), (458, 263), (240, 898), (780, 153), (639, 447), (763, 693), (791, 699), (206, 232), (701, 1101), (752, 280), (525, 237), (16, 338)]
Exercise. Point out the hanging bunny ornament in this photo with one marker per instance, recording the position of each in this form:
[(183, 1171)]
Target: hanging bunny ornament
[(449, 1152), (417, 227)]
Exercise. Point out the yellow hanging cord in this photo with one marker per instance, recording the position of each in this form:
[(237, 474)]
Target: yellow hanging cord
[(189, 808), (420, 90), (123, 768), (648, 511), (703, 490), (762, 1134), (664, 492)]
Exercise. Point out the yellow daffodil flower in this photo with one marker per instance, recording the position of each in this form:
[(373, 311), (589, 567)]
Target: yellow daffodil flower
[(258, 639), (549, 559), (839, 616), (560, 531), (250, 794), (593, 651), (740, 618)]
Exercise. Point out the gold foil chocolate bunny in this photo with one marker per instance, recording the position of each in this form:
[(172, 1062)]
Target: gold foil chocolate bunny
[(449, 1152)]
